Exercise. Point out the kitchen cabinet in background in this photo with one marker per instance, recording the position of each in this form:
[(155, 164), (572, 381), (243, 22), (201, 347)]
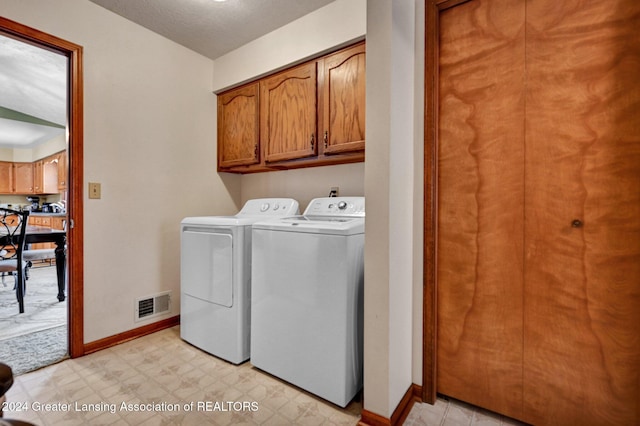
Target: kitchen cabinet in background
[(55, 222), (16, 178), (39, 220), (6, 177), (63, 172), (23, 178), (45, 176)]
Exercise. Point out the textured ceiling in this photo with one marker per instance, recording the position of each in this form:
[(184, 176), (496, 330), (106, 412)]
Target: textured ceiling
[(209, 27)]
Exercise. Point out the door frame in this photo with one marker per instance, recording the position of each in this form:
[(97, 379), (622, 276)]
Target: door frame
[(75, 164), (433, 9)]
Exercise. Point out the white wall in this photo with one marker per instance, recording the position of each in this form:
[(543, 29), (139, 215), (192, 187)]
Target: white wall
[(305, 184), (149, 139), (393, 187)]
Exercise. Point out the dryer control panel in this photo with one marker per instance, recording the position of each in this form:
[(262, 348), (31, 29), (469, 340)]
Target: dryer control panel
[(336, 206), (270, 207)]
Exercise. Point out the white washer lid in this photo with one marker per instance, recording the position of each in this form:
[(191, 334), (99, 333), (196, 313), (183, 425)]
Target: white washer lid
[(334, 225)]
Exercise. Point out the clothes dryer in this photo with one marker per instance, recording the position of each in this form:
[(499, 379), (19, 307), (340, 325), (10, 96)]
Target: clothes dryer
[(307, 298), (215, 277)]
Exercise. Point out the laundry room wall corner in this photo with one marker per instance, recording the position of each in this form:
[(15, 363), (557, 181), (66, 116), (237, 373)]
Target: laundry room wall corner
[(393, 177)]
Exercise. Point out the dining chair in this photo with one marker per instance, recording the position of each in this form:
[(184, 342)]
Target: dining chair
[(13, 226), (6, 381)]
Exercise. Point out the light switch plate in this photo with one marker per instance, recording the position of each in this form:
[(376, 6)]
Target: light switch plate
[(94, 190)]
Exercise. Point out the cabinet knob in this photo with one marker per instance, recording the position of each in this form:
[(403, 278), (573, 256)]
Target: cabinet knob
[(313, 142), (326, 138), (576, 223)]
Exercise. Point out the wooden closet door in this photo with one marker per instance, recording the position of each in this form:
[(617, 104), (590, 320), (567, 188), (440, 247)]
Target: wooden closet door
[(480, 204), (582, 210)]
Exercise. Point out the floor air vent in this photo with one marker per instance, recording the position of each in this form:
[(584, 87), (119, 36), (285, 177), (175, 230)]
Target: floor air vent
[(152, 306)]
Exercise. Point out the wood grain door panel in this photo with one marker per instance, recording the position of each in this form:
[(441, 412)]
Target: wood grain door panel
[(480, 206), (25, 177), (238, 127), (6, 177), (537, 209), (288, 114), (582, 292), (343, 101)]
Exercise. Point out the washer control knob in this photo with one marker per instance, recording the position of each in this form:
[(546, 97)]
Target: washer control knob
[(342, 205), (264, 207)]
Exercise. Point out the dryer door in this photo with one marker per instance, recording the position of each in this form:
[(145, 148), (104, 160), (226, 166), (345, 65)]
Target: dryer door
[(207, 265)]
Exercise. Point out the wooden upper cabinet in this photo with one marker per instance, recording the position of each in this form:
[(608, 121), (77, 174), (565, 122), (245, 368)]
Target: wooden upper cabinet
[(6, 177), (312, 114), (23, 178), (63, 171), (45, 176), (342, 97), (238, 127), (288, 114)]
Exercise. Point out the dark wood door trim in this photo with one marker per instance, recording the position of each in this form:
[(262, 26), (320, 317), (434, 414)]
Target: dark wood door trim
[(430, 280), (75, 151)]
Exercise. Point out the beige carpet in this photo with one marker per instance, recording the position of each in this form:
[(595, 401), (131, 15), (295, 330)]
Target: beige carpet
[(42, 308), (37, 337)]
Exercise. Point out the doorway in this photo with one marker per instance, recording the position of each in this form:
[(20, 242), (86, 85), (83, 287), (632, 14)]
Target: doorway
[(74, 201)]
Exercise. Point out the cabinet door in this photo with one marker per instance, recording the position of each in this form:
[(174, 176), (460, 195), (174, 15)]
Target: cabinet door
[(238, 127), (37, 177), (50, 175), (6, 177), (63, 172), (58, 222), (342, 101), (288, 114), (45, 176), (23, 178)]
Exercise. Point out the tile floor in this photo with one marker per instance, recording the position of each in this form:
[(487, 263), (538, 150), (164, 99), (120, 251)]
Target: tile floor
[(165, 375), (453, 413)]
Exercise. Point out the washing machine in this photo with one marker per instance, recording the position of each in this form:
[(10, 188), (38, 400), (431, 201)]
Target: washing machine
[(307, 298), (215, 277)]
